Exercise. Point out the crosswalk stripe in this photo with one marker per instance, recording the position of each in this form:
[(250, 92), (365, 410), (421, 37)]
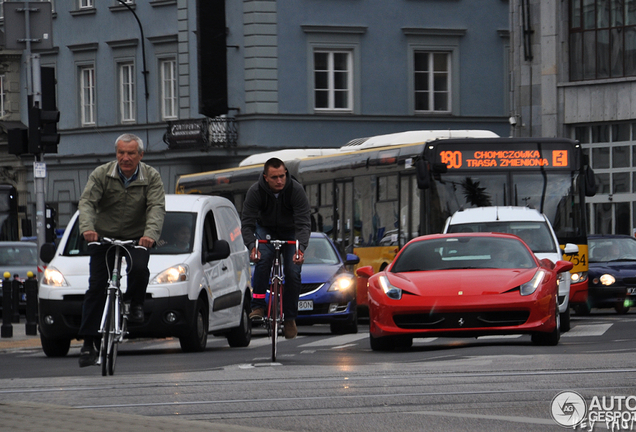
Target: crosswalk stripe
[(337, 340), (587, 330)]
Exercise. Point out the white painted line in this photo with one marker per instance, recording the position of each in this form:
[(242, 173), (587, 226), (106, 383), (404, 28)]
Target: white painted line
[(587, 330)]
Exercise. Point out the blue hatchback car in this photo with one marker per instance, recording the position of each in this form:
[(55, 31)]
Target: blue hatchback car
[(328, 291), (612, 273)]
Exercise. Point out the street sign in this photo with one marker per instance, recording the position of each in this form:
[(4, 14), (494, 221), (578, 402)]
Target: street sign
[(41, 35), (39, 169)]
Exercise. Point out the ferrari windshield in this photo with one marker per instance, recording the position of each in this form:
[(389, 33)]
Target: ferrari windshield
[(463, 252)]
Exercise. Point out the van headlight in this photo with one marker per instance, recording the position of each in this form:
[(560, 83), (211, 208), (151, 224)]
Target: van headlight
[(532, 285), (391, 291), (342, 282), (53, 277), (178, 273)]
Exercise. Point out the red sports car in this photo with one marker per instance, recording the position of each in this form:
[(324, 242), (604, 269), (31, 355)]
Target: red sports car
[(464, 285)]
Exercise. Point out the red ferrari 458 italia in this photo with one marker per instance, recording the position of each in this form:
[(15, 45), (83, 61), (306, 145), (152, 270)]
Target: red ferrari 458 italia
[(464, 285)]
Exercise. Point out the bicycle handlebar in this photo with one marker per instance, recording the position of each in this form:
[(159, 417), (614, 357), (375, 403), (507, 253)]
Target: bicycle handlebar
[(111, 241), (277, 244)]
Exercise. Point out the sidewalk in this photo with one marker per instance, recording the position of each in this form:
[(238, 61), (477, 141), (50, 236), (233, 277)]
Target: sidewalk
[(20, 339), (28, 416)]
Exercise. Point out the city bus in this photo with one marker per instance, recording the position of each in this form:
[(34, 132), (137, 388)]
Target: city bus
[(374, 194)]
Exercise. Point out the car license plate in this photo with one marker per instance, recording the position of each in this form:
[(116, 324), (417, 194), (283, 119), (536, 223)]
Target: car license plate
[(306, 305), (631, 290)]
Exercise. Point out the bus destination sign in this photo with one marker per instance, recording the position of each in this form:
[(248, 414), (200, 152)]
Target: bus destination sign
[(511, 159)]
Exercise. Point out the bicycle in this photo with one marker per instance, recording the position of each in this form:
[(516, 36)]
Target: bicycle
[(274, 319), (113, 325)]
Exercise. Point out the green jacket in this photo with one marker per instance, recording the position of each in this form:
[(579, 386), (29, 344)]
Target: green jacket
[(111, 210)]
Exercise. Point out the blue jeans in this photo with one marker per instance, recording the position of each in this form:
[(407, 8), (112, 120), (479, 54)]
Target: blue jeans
[(262, 270)]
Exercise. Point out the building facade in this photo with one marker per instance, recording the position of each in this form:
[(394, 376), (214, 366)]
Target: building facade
[(298, 73), (574, 75)]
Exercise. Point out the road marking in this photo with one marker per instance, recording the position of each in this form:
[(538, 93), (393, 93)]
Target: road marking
[(337, 340), (587, 330), (515, 419)]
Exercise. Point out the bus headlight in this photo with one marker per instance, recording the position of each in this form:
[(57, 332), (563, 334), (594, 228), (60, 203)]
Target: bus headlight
[(342, 282), (578, 277), (178, 273), (53, 277)]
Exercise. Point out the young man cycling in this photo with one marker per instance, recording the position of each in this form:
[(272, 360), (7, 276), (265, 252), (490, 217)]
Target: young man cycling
[(276, 205), (123, 199)]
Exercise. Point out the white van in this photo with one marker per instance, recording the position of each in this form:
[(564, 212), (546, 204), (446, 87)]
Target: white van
[(198, 287), (533, 227)]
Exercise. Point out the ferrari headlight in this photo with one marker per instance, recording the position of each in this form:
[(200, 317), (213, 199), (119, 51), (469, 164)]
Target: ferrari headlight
[(342, 282), (390, 291), (532, 285), (178, 273), (53, 277), (607, 279)]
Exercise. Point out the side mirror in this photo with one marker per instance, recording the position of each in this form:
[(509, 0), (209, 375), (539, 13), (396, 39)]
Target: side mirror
[(570, 249), (220, 250), (590, 182), (352, 259), (366, 271), (47, 252), (564, 266), (422, 174)]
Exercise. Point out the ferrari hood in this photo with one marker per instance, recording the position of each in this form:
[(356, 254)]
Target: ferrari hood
[(469, 281)]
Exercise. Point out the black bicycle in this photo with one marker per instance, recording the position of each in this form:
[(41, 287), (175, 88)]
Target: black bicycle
[(113, 327)]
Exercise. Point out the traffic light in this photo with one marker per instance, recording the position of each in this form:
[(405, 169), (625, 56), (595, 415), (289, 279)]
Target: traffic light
[(43, 134), (18, 141), (50, 224)]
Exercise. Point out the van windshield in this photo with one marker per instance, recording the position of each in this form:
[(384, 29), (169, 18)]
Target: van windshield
[(536, 234), (176, 236)]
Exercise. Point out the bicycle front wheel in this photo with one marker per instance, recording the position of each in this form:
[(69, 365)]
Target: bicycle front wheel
[(114, 337), (107, 334), (274, 299)]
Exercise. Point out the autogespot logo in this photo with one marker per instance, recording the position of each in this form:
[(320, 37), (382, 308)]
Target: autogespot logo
[(568, 409)]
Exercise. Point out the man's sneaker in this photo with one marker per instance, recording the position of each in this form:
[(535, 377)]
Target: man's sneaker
[(136, 314), (257, 313), (289, 329), (88, 356)]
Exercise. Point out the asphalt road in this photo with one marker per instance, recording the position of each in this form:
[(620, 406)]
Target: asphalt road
[(336, 383)]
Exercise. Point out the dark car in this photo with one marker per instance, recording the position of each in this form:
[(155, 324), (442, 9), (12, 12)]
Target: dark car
[(612, 273), (328, 291), (18, 259)]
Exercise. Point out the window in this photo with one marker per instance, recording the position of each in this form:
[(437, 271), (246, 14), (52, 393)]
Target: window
[(127, 92), (333, 75), (86, 4), (602, 39), (168, 89), (87, 95), (432, 81), (2, 96)]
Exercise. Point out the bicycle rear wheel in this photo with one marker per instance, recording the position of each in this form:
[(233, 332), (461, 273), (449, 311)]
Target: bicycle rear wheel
[(274, 298), (107, 335)]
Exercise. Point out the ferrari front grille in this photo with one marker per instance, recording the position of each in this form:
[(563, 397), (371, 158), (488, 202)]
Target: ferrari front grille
[(460, 320)]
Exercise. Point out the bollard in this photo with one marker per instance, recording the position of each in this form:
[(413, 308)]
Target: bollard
[(15, 298), (7, 307), (31, 288)]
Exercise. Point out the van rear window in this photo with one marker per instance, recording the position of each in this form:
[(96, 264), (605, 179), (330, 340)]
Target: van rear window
[(536, 234)]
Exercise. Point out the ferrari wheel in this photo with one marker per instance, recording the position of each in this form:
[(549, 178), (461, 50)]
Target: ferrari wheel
[(552, 338), (380, 344)]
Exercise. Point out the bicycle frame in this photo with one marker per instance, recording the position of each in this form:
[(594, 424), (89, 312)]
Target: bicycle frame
[(274, 319), (114, 318)]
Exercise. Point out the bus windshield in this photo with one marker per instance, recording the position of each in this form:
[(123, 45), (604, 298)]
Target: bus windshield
[(559, 202)]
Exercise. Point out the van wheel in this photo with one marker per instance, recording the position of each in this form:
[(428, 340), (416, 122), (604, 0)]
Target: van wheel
[(197, 337), (55, 347), (242, 335), (565, 321)]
